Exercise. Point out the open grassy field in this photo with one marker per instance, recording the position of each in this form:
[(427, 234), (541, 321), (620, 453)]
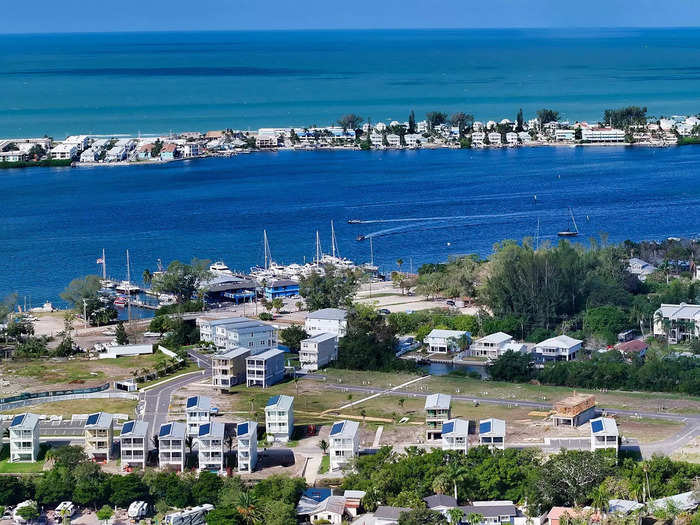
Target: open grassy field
[(81, 406)]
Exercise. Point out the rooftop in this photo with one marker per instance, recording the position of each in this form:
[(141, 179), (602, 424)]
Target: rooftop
[(247, 429), (199, 403), (172, 430), (280, 402), (455, 427), (134, 429), (331, 314), (320, 338), (560, 341), (344, 428), (490, 509), (267, 354), (495, 339), (604, 426), (98, 420), (25, 421), (436, 332), (212, 430), (440, 500), (233, 353), (492, 427), (389, 513), (441, 401)]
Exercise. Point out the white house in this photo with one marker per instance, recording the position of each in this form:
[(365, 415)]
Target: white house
[(113, 352), (279, 418), (330, 510), (99, 436), (377, 140), (604, 434), (491, 346), (247, 446), (24, 438), (81, 141), (210, 446), (344, 443), (229, 368), (678, 322), (494, 138), (478, 138), (394, 140), (318, 351), (455, 435), (640, 268), (234, 332), (413, 140), (561, 135), (559, 348), (444, 341), (64, 151), (191, 149), (171, 445), (133, 443), (207, 327), (265, 369), (198, 412), (328, 320), (492, 433), (512, 138), (437, 413), (602, 135)]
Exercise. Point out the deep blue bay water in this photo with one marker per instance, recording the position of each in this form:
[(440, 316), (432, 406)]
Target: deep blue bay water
[(55, 222)]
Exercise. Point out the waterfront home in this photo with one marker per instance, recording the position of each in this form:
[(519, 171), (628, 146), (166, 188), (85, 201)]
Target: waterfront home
[(281, 288), (640, 268), (309, 501), (207, 326), (491, 124), (265, 369), (234, 332), (604, 434), (394, 140), (444, 341), (559, 348), (327, 320), (524, 137), (168, 152), (437, 412), (89, 155), (133, 443), (344, 443), (455, 435), (318, 351), (440, 503), (494, 138), (279, 418), (210, 447), (197, 412), (191, 149), (377, 140), (81, 141), (491, 512), (492, 433), (171, 446), (564, 135), (491, 346), (512, 138), (422, 126), (602, 135), (574, 410), (478, 138), (267, 138), (144, 151), (677, 322), (413, 140), (229, 368), (386, 515), (13, 156), (247, 437), (64, 151), (99, 436), (24, 438)]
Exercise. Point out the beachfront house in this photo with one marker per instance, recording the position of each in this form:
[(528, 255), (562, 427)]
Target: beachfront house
[(24, 438), (281, 288), (604, 434), (602, 135), (478, 138), (344, 443), (210, 446), (318, 351), (64, 151), (494, 138), (455, 435), (171, 446), (168, 152), (81, 141), (265, 369), (247, 436), (445, 341), (394, 140), (437, 413), (13, 156), (559, 348), (512, 138), (279, 418), (413, 140), (677, 322), (492, 433), (197, 412), (133, 443), (327, 320), (564, 135), (229, 368), (191, 149), (267, 138), (99, 436)]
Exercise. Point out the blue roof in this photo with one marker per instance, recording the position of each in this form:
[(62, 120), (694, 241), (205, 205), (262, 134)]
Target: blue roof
[(17, 420), (165, 430), (485, 427), (204, 429), (317, 494), (191, 401), (128, 427), (597, 425), (93, 418), (242, 429), (273, 400), (448, 427), (337, 428)]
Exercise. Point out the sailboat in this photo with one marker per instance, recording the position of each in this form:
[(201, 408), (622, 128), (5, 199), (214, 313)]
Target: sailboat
[(569, 232)]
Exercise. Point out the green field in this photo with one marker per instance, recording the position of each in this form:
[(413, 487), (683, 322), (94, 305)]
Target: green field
[(325, 465), (81, 406)]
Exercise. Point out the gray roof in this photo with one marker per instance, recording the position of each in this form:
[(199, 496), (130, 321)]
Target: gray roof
[(172, 430), (438, 401), (212, 430), (324, 336), (331, 314), (267, 354), (199, 403), (25, 421), (98, 420), (440, 500), (344, 429), (134, 429), (623, 506), (488, 510), (333, 504), (389, 513), (233, 353), (684, 501), (280, 402)]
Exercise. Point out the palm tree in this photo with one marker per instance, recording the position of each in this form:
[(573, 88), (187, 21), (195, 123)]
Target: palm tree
[(299, 305), (399, 262), (599, 499), (147, 277), (401, 402), (323, 445), (189, 443), (456, 473), (441, 484), (455, 515), (247, 508), (277, 303), (474, 519), (363, 413)]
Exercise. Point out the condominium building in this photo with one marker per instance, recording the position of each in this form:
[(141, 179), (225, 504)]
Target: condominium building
[(247, 446), (24, 438), (198, 412), (171, 445), (604, 434), (437, 412), (233, 332), (455, 435), (133, 443), (318, 351), (207, 327), (602, 135), (328, 320), (210, 446), (279, 418), (677, 322), (344, 443), (492, 433), (99, 436), (265, 369), (229, 368)]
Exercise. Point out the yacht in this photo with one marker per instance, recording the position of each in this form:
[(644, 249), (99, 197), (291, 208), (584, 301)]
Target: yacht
[(220, 268), (127, 287), (121, 302)]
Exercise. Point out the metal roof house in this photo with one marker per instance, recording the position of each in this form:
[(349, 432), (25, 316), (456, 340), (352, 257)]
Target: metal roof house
[(99, 436), (559, 348), (247, 446), (229, 368), (344, 443), (604, 434), (327, 320), (455, 435), (171, 445), (492, 512), (265, 369), (24, 438), (133, 443), (198, 412), (492, 345), (445, 341), (318, 351), (386, 515), (210, 446), (437, 412), (678, 322), (279, 418), (492, 433)]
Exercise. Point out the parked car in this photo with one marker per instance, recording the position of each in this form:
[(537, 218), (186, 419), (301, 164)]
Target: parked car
[(384, 311)]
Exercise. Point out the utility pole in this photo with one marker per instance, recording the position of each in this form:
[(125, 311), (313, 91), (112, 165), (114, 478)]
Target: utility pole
[(85, 312)]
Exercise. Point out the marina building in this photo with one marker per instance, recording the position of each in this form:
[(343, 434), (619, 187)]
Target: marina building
[(602, 135), (445, 341), (437, 413), (281, 288), (559, 348), (24, 438), (198, 412), (328, 320), (279, 418), (604, 434), (344, 443), (574, 411), (210, 446), (229, 368), (133, 443), (99, 436), (265, 369), (492, 433), (318, 351), (171, 446), (455, 435), (247, 446)]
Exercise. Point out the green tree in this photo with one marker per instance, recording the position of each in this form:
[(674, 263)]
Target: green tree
[(411, 122), (475, 518), (334, 289), (455, 515), (28, 512), (182, 280), (126, 489), (91, 485), (435, 118), (421, 517), (206, 487), (547, 115), (277, 304), (292, 336), (519, 121), (81, 288), (105, 513), (121, 335), (247, 507), (512, 366), (147, 277), (350, 121), (323, 445), (69, 457)]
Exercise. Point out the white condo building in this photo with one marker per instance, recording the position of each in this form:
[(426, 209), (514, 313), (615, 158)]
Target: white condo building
[(210, 447), (99, 436), (198, 412), (247, 446), (602, 135), (133, 443), (171, 445), (318, 351), (344, 443), (455, 435), (233, 332), (279, 418), (24, 438), (266, 369), (604, 434), (678, 322), (229, 368), (328, 320)]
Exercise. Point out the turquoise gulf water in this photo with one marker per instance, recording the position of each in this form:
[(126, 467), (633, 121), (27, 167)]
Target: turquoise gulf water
[(54, 222), (156, 82)]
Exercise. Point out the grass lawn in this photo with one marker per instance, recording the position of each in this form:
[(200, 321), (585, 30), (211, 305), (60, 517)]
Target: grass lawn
[(325, 464), (21, 468), (81, 406), (191, 367)]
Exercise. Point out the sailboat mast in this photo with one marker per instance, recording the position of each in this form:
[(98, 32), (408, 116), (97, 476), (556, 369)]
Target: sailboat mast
[(104, 265), (371, 252), (318, 248), (128, 286), (268, 257), (332, 239), (573, 220)]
